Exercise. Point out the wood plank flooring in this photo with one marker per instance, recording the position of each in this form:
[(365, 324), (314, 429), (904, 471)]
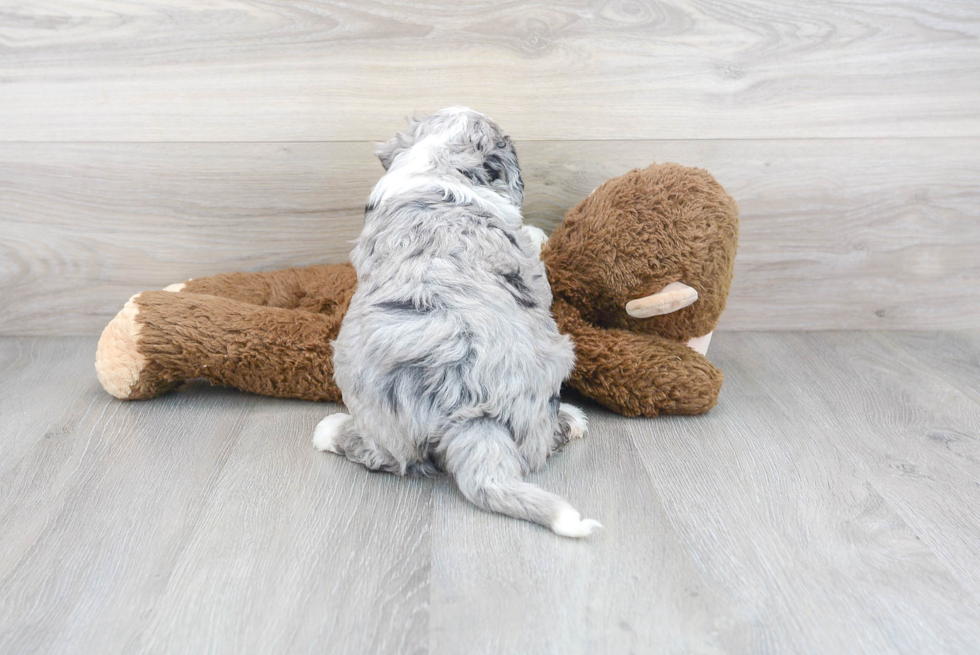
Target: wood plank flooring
[(828, 503)]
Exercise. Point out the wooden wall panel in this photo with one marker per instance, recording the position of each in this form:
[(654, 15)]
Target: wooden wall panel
[(86, 225), (835, 234), (239, 70)]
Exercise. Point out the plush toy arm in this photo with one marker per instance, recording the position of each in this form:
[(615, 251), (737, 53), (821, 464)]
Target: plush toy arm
[(160, 339), (637, 374), (313, 288)]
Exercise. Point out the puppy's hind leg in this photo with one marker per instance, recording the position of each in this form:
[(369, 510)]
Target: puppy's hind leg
[(337, 434), (482, 456), (572, 425)]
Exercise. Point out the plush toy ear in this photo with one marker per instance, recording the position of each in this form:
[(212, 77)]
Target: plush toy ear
[(399, 143), (672, 297)]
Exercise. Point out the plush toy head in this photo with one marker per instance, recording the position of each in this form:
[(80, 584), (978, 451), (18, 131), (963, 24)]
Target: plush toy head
[(640, 232), (640, 272)]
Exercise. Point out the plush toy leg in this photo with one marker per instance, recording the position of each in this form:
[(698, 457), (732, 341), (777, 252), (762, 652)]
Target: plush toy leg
[(638, 374), (161, 339), (321, 289)]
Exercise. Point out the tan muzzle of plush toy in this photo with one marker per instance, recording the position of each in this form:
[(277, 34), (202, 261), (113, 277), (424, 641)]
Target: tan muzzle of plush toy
[(672, 297)]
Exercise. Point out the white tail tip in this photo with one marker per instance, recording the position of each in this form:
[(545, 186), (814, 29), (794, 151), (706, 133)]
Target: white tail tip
[(571, 524)]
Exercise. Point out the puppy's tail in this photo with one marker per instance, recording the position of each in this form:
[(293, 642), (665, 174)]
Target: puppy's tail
[(483, 458)]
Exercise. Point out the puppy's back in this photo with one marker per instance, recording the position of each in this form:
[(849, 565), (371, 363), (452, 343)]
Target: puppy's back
[(448, 357), (452, 315)]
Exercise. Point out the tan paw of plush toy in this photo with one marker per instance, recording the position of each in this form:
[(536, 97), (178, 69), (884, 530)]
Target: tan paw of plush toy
[(640, 272)]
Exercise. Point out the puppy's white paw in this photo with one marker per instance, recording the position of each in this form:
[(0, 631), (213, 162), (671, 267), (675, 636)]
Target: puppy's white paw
[(325, 434), (571, 524), (577, 422), (537, 236)]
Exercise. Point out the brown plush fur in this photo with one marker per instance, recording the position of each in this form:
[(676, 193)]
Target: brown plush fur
[(631, 237), (636, 234), (270, 333), (321, 289), (637, 374), (187, 335), (267, 333)]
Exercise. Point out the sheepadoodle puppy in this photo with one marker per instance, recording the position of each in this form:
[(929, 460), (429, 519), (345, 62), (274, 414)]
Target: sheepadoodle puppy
[(448, 357)]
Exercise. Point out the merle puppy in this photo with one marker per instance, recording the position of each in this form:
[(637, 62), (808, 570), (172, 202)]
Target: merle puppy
[(448, 357)]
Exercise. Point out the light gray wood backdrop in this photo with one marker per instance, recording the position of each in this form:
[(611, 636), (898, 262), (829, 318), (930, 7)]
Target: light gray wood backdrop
[(142, 143)]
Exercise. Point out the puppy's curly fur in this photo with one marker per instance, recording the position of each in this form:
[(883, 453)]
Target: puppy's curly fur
[(448, 357)]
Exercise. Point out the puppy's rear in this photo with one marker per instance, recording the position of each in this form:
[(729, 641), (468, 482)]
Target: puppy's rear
[(486, 463), (448, 357)]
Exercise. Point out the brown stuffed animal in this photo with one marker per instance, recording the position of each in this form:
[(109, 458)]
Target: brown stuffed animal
[(640, 272), (639, 269)]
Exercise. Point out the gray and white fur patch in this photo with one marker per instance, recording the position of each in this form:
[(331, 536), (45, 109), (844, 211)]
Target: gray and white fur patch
[(448, 357)]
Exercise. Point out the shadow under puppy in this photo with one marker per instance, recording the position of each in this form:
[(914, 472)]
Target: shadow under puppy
[(448, 357)]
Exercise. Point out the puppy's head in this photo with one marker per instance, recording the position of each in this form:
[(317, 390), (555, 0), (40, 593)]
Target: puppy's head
[(457, 142)]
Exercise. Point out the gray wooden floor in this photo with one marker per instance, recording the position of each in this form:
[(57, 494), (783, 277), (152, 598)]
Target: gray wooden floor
[(830, 503)]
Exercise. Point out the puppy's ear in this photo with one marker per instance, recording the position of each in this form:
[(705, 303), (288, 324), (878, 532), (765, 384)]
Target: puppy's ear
[(503, 170), (402, 141), (494, 160)]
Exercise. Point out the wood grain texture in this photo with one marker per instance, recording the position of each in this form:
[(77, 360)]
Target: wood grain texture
[(835, 234), (913, 432), (86, 226), (954, 356), (827, 504), (299, 533), (632, 588), (60, 379), (87, 544), (798, 483), (173, 70), (143, 526)]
